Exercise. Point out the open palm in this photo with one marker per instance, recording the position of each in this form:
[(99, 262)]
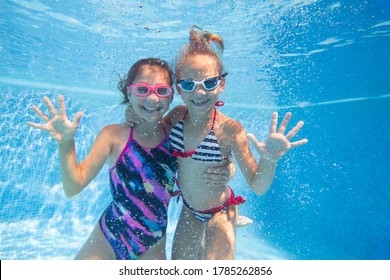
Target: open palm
[(277, 144), (59, 127)]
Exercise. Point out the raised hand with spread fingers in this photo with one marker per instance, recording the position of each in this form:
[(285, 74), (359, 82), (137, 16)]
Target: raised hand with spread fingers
[(277, 144), (58, 126)]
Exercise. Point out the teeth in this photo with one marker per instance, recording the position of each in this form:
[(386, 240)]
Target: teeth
[(199, 101), (151, 109)]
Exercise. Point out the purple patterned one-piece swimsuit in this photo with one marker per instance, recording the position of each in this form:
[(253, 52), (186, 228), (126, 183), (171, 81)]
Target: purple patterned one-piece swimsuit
[(142, 182)]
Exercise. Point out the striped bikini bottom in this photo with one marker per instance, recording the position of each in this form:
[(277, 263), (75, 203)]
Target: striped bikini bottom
[(206, 215)]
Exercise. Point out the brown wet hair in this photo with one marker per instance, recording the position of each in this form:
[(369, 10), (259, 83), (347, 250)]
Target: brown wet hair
[(134, 70)]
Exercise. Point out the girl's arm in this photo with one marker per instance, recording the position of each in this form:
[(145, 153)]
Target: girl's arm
[(260, 175), (173, 116), (74, 176)]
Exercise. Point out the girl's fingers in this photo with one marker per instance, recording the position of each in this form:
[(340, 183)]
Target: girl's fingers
[(209, 183), (213, 183), (77, 117), (218, 170), (295, 130), (131, 116), (299, 143), (61, 105), (36, 125), (131, 120), (258, 145), (283, 125), (50, 106), (215, 177), (40, 114), (274, 122)]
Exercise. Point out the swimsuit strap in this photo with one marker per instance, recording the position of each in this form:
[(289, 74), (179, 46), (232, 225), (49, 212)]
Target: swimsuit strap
[(214, 114), (187, 154), (219, 103), (202, 152), (131, 134), (124, 149), (232, 200), (214, 117)]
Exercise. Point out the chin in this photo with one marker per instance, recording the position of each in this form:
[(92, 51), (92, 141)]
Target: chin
[(203, 107), (151, 116), (152, 119)]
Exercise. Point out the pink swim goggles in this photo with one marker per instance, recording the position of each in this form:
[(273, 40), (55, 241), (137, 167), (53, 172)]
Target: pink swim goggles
[(143, 90)]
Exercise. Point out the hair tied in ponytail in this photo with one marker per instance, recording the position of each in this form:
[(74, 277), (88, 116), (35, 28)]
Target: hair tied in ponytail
[(203, 39)]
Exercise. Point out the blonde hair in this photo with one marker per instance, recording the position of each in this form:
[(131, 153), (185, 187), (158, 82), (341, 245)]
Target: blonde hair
[(202, 42)]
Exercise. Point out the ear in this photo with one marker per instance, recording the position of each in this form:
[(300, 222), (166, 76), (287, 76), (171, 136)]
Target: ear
[(128, 91), (221, 86)]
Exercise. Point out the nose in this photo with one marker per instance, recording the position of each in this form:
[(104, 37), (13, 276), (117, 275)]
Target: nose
[(200, 90), (152, 96)]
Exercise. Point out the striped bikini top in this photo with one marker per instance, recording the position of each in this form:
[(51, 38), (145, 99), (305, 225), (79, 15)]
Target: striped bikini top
[(208, 150)]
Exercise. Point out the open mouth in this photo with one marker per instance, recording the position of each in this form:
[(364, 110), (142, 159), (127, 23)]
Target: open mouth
[(151, 110), (200, 102)]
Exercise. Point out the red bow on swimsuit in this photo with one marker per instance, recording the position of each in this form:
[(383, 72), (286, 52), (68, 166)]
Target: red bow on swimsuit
[(183, 155)]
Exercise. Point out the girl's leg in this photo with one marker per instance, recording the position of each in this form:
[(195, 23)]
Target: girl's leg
[(188, 235), (220, 238), (157, 252), (96, 247)]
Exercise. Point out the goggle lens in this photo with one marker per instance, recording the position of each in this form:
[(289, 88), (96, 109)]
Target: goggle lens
[(211, 83), (208, 83), (187, 85), (163, 91), (141, 89)]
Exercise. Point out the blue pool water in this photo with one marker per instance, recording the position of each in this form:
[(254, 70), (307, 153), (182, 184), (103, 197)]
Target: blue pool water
[(325, 61)]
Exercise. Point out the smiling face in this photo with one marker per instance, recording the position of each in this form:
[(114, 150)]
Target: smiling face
[(199, 67), (151, 107)]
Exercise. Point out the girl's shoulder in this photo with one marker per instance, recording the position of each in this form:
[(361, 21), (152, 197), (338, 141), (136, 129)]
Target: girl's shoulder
[(230, 132), (175, 115), (112, 131), (115, 128), (229, 125)]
